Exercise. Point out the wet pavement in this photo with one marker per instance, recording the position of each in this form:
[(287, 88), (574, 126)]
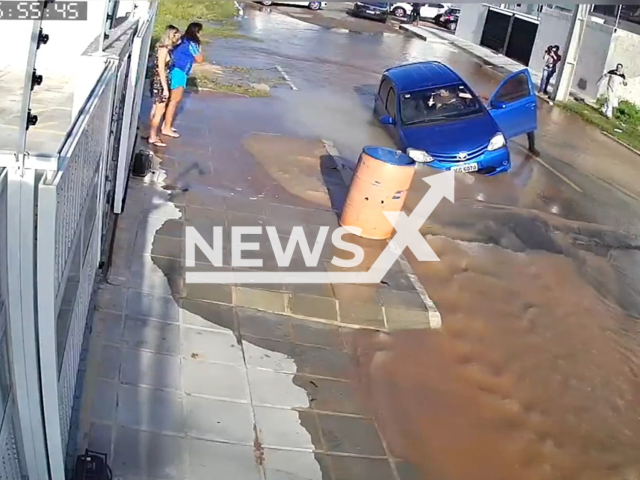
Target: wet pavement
[(534, 373)]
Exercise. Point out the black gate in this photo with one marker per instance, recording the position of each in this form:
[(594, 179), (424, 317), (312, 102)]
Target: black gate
[(510, 35)]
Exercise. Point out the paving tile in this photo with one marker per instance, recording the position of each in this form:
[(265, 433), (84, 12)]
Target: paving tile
[(107, 326), (111, 297), (158, 284), (356, 293), (322, 362), (245, 205), (355, 468), (228, 461), (151, 369), (103, 407), (408, 471), (236, 219), (398, 280), (276, 389), (143, 266), (148, 454), (165, 247), (352, 435), (261, 299), (149, 305), (209, 315), (395, 298), (281, 428), (293, 465), (269, 354), (172, 228), (220, 293), (202, 199), (403, 319), (317, 334), (153, 335), (313, 307), (364, 314), (330, 395), (100, 438), (151, 409), (109, 358), (316, 289), (211, 346), (264, 324), (215, 380), (211, 419), (215, 216)]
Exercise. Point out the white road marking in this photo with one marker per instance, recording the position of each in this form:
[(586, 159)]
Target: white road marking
[(569, 182), (435, 319), (286, 77)]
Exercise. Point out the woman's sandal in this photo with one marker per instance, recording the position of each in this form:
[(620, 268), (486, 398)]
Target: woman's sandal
[(173, 134), (157, 143)]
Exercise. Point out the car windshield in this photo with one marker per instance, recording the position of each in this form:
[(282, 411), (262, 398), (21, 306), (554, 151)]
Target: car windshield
[(438, 104)]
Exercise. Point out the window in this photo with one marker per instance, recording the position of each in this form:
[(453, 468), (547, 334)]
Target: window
[(383, 91), (439, 104), (391, 103), (514, 89)]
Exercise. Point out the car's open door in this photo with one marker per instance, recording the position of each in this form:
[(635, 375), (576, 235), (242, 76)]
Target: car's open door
[(513, 105)]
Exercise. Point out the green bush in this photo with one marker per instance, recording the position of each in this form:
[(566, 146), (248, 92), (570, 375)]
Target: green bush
[(628, 113)]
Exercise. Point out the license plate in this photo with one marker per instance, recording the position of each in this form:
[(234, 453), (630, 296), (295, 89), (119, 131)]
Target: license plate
[(371, 12), (469, 167)]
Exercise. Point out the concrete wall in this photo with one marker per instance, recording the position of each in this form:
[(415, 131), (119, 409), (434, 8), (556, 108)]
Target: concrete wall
[(471, 22), (625, 49)]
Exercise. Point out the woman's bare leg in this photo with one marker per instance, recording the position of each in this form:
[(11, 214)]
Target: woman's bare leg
[(158, 112), (172, 108)]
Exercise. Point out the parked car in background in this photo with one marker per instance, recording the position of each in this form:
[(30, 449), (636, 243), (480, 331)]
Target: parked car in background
[(433, 115), (311, 5), (373, 10), (448, 19), (428, 11)]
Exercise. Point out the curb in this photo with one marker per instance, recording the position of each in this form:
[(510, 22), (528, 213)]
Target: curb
[(435, 319), (628, 147)]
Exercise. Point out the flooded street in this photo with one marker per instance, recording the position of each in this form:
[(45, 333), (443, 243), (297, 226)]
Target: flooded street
[(535, 372)]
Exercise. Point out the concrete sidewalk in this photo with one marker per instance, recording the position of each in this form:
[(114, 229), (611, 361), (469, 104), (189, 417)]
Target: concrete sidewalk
[(242, 382)]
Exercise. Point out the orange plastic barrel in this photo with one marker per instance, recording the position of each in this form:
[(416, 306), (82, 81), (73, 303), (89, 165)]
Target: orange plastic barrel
[(380, 184)]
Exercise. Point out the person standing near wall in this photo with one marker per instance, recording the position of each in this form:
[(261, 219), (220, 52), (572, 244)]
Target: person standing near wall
[(187, 53), (415, 13), (161, 81), (551, 59), (615, 78)]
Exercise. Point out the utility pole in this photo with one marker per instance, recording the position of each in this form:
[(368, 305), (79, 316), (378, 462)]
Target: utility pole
[(571, 52)]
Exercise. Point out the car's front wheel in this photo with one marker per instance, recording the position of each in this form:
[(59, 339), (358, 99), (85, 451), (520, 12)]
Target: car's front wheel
[(266, 3), (399, 12), (452, 26), (315, 5)]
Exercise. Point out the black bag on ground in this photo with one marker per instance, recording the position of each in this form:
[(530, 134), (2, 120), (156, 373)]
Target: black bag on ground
[(142, 162)]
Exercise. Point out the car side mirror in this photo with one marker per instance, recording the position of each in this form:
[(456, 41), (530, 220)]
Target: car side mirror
[(387, 120), (498, 105)]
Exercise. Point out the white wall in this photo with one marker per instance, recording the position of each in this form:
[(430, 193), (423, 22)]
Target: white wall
[(625, 49), (471, 22)]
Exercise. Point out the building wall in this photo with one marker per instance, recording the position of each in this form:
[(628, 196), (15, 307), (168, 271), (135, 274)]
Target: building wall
[(594, 54), (471, 21), (625, 49)]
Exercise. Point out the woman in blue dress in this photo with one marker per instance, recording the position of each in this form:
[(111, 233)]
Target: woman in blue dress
[(188, 52)]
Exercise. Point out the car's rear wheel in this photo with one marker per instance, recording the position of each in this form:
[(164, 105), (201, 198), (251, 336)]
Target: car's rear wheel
[(451, 26), (315, 5), (399, 12), (266, 3)]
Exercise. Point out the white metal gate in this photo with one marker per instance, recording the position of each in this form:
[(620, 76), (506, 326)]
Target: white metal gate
[(9, 460), (70, 212)]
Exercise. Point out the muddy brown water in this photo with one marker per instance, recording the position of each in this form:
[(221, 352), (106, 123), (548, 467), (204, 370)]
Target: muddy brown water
[(530, 378)]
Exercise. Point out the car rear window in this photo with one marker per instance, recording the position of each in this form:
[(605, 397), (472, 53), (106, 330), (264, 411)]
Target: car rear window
[(438, 104)]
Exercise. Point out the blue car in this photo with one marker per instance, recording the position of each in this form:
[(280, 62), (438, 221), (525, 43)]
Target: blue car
[(434, 116)]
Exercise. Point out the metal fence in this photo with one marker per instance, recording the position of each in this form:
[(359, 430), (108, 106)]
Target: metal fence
[(70, 212), (9, 461), (54, 213)]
